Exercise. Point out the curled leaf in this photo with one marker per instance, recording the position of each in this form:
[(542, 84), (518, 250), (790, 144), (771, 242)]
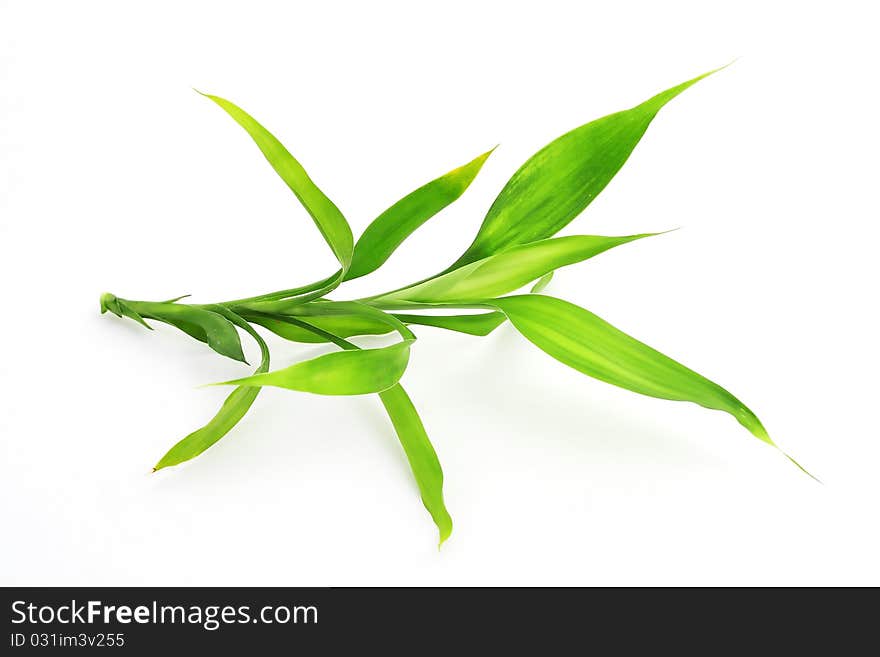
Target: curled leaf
[(204, 325)]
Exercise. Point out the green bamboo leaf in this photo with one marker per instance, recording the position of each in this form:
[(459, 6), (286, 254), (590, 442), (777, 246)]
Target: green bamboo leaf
[(204, 325), (347, 326), (411, 433), (581, 340), (542, 283), (478, 324), (121, 309), (563, 178), (233, 410), (327, 217), (344, 326), (340, 373), (392, 227), (325, 308), (507, 271), (420, 453)]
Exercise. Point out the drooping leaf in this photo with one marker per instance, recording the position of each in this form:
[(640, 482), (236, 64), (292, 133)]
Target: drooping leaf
[(339, 373), (411, 433), (233, 410), (204, 325), (589, 344), (563, 178), (507, 271), (327, 217), (420, 453), (392, 227)]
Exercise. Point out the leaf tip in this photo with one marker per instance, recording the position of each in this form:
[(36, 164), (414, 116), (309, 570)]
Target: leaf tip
[(444, 525), (445, 533), (803, 469)]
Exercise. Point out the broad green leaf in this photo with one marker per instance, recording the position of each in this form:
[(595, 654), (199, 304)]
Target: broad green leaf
[(413, 438), (507, 271), (542, 283), (209, 327), (234, 408), (340, 373), (581, 340), (563, 178), (420, 453), (326, 215), (392, 227)]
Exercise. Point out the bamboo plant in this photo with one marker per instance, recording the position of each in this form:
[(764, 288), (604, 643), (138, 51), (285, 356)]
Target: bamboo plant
[(514, 247)]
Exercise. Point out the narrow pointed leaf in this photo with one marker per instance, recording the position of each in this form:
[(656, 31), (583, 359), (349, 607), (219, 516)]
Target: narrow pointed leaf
[(392, 227), (327, 217), (333, 308), (233, 410), (411, 433), (120, 308), (420, 453), (347, 326), (478, 324), (581, 340), (209, 327), (129, 312), (344, 326), (508, 271), (340, 373), (563, 178)]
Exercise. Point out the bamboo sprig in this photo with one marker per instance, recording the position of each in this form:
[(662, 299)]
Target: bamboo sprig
[(515, 247)]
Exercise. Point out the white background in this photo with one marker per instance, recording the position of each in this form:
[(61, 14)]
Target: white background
[(115, 175)]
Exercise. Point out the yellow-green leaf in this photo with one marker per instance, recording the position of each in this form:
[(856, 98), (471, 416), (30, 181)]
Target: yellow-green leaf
[(507, 271), (591, 345), (340, 373), (326, 215), (392, 227)]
